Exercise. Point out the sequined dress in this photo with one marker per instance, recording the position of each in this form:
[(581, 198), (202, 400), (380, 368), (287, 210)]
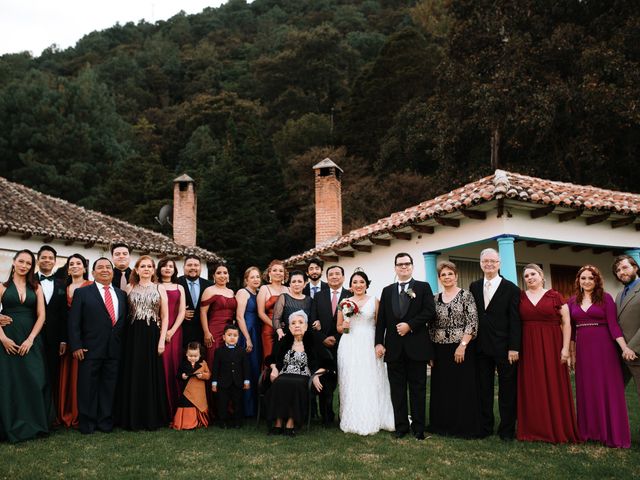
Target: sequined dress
[(142, 394)]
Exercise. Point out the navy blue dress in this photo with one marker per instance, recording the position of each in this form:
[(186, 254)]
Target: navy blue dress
[(254, 327)]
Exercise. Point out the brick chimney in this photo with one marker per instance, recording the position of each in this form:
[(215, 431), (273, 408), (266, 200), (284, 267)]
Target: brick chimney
[(328, 200), (184, 211)]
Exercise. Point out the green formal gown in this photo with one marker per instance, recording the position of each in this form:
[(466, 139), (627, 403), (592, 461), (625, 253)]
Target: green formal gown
[(25, 399)]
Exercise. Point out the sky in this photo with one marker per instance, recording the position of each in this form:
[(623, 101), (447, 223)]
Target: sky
[(34, 25)]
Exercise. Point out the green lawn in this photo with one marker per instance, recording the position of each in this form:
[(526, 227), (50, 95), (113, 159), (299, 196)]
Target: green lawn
[(321, 453)]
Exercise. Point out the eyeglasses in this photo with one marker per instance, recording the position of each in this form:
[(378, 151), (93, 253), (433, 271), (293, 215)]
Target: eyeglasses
[(490, 262), (406, 264)]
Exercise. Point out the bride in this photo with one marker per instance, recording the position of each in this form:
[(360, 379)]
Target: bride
[(365, 398)]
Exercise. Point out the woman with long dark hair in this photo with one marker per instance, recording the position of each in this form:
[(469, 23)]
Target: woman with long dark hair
[(77, 269), (217, 309), (601, 406), (25, 397), (167, 273)]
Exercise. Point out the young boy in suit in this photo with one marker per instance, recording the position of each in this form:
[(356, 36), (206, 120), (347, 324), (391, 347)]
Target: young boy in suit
[(230, 376)]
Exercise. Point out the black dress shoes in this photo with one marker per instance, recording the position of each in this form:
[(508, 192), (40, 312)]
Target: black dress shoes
[(419, 436), (275, 431), (290, 432), (399, 434)]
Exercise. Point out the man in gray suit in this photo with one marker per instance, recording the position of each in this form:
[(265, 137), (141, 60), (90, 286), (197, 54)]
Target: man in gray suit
[(625, 268)]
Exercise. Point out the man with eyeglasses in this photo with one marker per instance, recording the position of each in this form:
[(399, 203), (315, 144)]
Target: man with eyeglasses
[(405, 310), (498, 345), (625, 268)]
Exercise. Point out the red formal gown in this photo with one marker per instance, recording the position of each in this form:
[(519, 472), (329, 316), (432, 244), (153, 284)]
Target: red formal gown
[(173, 356), (545, 404), (267, 330), (222, 311)]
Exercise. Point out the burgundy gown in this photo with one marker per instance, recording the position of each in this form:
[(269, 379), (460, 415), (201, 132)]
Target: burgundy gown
[(172, 356), (545, 403), (600, 401), (222, 311)]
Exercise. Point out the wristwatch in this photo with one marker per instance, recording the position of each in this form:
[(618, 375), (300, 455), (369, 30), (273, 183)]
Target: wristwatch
[(463, 343)]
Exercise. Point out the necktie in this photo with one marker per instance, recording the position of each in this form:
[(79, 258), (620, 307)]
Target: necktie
[(123, 280), (625, 291), (45, 277), (403, 299), (192, 292), (334, 300), (486, 293), (314, 290), (108, 302)]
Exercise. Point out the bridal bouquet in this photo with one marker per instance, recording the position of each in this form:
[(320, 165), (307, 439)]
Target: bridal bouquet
[(349, 308)]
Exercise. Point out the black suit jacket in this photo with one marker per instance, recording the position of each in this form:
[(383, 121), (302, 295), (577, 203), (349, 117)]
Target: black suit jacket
[(499, 327), (55, 326), (230, 367), (90, 324), (421, 311), (307, 288), (321, 310), (194, 304), (117, 276)]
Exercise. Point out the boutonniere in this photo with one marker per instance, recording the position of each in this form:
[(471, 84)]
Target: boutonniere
[(410, 293)]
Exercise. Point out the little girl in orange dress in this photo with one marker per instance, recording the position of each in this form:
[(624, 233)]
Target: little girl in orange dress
[(192, 409)]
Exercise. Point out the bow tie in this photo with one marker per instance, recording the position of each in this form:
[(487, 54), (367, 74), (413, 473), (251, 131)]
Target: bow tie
[(45, 277)]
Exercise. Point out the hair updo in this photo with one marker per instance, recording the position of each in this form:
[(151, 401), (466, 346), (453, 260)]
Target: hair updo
[(360, 273)]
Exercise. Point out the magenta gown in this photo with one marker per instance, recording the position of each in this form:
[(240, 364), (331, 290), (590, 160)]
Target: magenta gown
[(600, 400), (172, 356)]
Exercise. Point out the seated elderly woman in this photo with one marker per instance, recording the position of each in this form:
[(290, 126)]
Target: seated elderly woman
[(296, 357)]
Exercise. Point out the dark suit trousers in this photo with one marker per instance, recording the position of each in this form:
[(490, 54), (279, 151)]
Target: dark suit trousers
[(414, 374), (325, 397), (192, 330), (232, 394), (507, 394), (96, 391)]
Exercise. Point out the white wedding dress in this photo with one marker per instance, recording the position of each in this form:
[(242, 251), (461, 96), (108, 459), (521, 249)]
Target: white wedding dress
[(365, 398)]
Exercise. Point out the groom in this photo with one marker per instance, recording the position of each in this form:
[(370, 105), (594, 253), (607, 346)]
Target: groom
[(405, 310)]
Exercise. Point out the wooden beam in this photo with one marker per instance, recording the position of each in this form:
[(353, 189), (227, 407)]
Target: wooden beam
[(637, 227), (600, 250), (89, 244), (448, 222), (623, 222), (474, 214), (566, 216), (542, 212), (380, 241), (597, 218), (534, 243), (69, 242), (345, 253), (26, 236), (402, 235), (329, 258), (361, 248), (556, 246), (500, 207), (4, 231), (579, 248), (424, 229), (48, 239)]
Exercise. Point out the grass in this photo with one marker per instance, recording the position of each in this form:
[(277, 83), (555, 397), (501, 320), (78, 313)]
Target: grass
[(318, 454)]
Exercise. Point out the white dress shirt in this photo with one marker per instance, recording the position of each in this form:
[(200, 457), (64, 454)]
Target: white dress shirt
[(494, 283), (114, 297), (406, 287), (47, 288)]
